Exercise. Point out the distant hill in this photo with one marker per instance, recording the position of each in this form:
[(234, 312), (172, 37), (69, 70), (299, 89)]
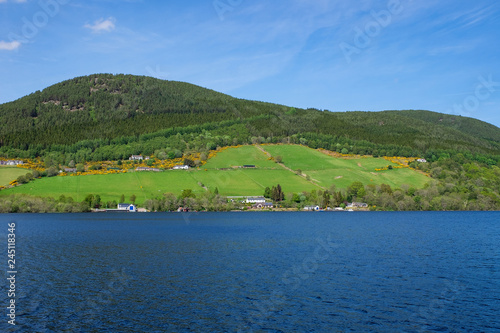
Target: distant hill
[(121, 109)]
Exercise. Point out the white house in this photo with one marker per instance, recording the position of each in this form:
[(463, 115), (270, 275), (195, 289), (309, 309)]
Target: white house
[(309, 208), (123, 206), (256, 200), (135, 158), (11, 162), (127, 207), (422, 160), (147, 169), (180, 167), (263, 205)]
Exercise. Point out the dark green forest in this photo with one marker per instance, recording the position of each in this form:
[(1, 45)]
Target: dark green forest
[(110, 117)]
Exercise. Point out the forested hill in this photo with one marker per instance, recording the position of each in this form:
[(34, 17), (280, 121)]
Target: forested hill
[(105, 109), (110, 106)]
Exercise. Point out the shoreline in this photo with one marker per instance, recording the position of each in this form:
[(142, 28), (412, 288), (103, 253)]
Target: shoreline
[(263, 211)]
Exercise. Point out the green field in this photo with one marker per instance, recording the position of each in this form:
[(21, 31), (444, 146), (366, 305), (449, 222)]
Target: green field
[(327, 170), (245, 155), (324, 171), (10, 173), (111, 187), (252, 181)]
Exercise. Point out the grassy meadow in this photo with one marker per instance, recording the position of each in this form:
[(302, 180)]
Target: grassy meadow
[(143, 185), (326, 170), (244, 155), (323, 169), (10, 173)]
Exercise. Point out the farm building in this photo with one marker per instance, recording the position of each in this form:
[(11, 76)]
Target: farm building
[(11, 162), (138, 158), (263, 205), (147, 169), (256, 200), (127, 207)]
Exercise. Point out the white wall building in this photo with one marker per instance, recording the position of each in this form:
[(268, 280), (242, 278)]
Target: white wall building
[(127, 207), (181, 167), (255, 200)]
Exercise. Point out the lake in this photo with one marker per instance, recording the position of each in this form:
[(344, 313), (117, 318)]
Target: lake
[(255, 272)]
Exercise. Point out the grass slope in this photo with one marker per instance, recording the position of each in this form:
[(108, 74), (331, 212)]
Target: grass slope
[(327, 170), (8, 174), (111, 187), (252, 181), (245, 155), (323, 169)]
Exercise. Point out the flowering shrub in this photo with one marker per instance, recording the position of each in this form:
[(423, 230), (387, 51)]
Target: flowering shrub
[(340, 155), (212, 153)]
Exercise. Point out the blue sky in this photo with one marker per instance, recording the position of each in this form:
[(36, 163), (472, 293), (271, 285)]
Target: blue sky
[(338, 55)]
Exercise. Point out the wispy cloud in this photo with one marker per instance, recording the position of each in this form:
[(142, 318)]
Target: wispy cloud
[(453, 49), (9, 46), (17, 1), (102, 25), (460, 20), (476, 16)]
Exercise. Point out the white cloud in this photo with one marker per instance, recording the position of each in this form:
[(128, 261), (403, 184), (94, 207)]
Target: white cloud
[(9, 46), (102, 25), (18, 1)]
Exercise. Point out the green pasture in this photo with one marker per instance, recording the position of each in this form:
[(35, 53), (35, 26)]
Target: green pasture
[(10, 173), (252, 181), (111, 187), (327, 170), (342, 178), (245, 155), (324, 170), (304, 158)]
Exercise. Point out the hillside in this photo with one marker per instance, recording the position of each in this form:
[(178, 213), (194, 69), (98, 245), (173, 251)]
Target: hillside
[(224, 173), (108, 106), (106, 116)]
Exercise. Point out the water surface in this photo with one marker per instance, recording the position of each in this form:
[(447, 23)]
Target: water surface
[(257, 272)]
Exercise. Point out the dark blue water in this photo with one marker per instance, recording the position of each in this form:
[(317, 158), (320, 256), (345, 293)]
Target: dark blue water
[(255, 272)]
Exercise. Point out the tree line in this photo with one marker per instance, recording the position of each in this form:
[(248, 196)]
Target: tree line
[(106, 116)]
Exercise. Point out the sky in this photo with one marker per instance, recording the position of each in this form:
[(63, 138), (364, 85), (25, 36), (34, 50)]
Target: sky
[(337, 55)]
